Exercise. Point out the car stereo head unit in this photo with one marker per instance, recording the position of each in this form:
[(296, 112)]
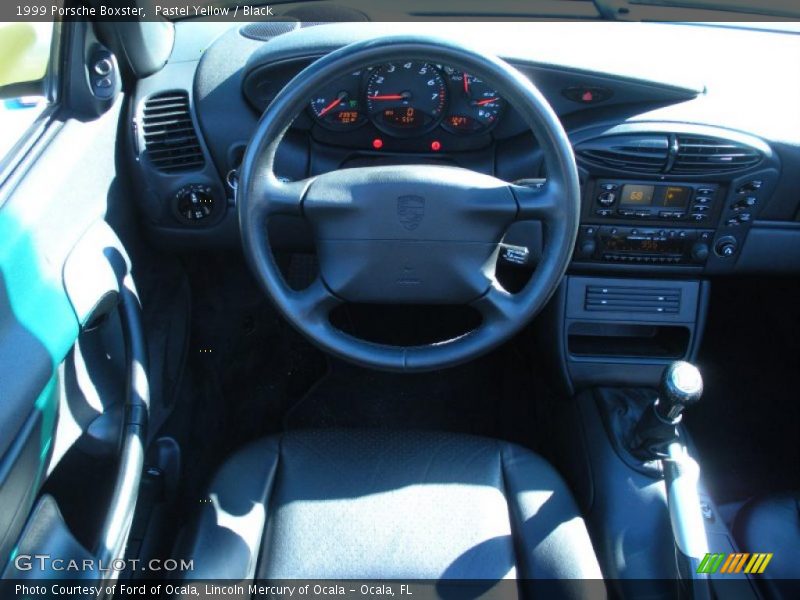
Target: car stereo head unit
[(644, 200), (643, 245)]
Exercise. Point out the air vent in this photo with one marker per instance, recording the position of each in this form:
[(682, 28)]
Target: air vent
[(634, 153), (632, 299), (704, 155), (170, 141)]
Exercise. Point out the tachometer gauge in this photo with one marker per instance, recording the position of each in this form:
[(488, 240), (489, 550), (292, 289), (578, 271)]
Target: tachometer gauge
[(338, 106), (474, 106), (406, 98)]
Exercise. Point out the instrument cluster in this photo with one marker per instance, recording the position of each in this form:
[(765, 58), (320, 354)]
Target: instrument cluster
[(406, 99)]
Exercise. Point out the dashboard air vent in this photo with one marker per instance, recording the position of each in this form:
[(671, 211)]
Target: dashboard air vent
[(634, 153), (610, 298), (704, 155), (170, 140)]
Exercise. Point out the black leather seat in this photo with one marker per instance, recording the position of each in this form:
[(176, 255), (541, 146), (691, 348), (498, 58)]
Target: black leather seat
[(772, 524), (337, 504)]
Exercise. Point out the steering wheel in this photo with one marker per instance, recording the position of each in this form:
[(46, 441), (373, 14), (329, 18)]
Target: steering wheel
[(422, 234)]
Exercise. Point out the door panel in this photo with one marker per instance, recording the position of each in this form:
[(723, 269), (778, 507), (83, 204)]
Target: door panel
[(58, 193)]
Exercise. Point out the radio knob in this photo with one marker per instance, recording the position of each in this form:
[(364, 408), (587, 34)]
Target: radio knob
[(606, 198), (726, 246), (700, 252), (587, 248)]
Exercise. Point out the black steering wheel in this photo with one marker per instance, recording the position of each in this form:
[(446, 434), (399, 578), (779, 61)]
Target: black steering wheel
[(409, 234)]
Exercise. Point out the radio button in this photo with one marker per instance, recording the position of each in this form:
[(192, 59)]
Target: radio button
[(608, 187), (750, 186), (678, 215), (666, 214), (604, 212), (699, 217), (747, 202), (705, 191), (702, 199), (625, 212), (643, 214), (701, 207)]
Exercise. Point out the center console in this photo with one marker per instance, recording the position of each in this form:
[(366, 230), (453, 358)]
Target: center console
[(666, 201), (679, 224)]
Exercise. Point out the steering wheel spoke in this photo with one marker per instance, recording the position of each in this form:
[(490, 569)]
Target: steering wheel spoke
[(314, 303), (496, 306), (538, 200), (277, 197)]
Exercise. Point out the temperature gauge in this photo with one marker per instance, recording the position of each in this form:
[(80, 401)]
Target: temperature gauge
[(474, 106)]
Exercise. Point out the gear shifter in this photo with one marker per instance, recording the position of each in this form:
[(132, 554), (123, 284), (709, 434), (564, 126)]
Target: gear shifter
[(681, 386), (656, 438)]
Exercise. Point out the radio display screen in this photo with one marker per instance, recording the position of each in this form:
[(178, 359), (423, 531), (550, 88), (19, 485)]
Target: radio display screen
[(639, 195), (643, 244), (676, 197), (656, 196)]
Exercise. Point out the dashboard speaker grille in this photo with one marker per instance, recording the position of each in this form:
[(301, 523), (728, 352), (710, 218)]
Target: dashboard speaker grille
[(266, 30), (601, 298), (635, 153), (704, 155), (170, 140)]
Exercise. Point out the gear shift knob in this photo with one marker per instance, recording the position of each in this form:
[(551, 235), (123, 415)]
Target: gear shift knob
[(681, 386)]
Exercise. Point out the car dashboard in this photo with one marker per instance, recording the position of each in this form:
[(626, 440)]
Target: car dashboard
[(685, 168)]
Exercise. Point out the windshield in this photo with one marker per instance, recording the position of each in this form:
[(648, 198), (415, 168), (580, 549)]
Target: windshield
[(654, 10)]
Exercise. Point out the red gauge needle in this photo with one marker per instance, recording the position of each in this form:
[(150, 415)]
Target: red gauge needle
[(388, 97), (487, 101), (466, 83), (332, 105)]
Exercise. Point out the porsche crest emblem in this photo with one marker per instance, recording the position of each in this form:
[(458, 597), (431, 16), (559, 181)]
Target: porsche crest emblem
[(410, 211)]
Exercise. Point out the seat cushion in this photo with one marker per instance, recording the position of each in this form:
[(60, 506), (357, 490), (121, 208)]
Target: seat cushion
[(336, 504), (772, 524)]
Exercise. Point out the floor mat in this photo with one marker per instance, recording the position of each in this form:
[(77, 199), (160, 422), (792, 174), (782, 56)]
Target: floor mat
[(491, 396)]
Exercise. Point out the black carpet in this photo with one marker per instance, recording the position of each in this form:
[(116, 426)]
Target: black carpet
[(491, 396), (747, 424)]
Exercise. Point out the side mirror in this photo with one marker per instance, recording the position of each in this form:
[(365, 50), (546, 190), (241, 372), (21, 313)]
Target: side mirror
[(24, 52)]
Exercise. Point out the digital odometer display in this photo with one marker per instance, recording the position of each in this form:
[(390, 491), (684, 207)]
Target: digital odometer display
[(403, 117), (406, 97)]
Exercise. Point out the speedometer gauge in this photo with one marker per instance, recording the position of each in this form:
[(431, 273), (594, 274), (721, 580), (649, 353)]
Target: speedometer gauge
[(338, 106), (406, 98), (474, 106)]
